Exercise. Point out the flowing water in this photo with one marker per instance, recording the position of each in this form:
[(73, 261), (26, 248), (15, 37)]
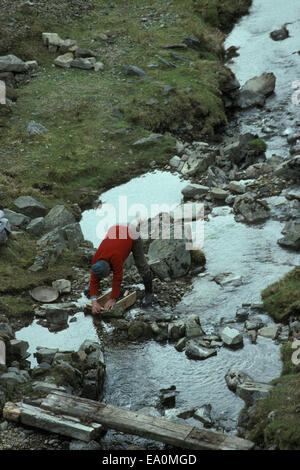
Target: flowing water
[(136, 372), (258, 54)]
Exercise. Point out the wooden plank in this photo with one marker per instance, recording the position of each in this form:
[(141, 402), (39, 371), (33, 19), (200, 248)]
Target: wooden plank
[(131, 422), (125, 302), (58, 424)]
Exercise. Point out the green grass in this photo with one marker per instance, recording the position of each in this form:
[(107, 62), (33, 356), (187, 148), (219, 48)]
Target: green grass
[(83, 147), (282, 428), (282, 299)]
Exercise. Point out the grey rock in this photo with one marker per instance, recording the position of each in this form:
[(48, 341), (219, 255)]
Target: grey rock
[(251, 391), (247, 208), (64, 61), (73, 235), (35, 128), (193, 327), (167, 397), (235, 377), (280, 34), (13, 377), (151, 139), (84, 64), (85, 53), (6, 330), (269, 331), (175, 161), (253, 324), (203, 414), (36, 227), (196, 352), (242, 314), (16, 219), (51, 39), (62, 285), (192, 190), (133, 70), (232, 337), (11, 63), (58, 216), (236, 187), (29, 206), (174, 256), (193, 42), (180, 345), (181, 413), (291, 237), (197, 162), (45, 354), (289, 169), (219, 194), (255, 90), (68, 45), (176, 330), (18, 349)]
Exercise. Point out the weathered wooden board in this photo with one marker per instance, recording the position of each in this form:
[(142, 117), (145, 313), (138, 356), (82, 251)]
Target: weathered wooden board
[(125, 302), (131, 422), (43, 419)]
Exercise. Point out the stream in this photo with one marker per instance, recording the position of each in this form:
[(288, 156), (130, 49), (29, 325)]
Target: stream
[(137, 371)]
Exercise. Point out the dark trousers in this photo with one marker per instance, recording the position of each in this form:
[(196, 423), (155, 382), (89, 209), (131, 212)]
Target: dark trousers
[(142, 264)]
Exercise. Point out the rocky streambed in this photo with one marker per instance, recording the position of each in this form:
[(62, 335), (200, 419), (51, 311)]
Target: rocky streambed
[(207, 342)]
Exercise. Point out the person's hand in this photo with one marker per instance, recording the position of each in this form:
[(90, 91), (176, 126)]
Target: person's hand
[(110, 304), (95, 307)]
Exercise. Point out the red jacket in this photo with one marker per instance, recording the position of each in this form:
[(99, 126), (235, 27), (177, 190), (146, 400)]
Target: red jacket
[(114, 249)]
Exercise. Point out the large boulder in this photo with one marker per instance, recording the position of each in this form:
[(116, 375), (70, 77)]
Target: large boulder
[(198, 352), (13, 377), (235, 377), (251, 391), (197, 162), (58, 216), (255, 90), (290, 168), (291, 237), (247, 208), (15, 219), (36, 226), (29, 206), (11, 63), (171, 258), (240, 151), (232, 337), (194, 191)]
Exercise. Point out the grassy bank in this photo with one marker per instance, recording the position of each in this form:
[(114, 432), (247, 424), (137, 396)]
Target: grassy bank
[(93, 119), (282, 299), (276, 421)]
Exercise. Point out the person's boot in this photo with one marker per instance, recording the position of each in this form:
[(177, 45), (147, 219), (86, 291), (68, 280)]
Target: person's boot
[(147, 300)]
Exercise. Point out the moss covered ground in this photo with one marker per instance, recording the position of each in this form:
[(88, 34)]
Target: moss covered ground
[(282, 299)]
